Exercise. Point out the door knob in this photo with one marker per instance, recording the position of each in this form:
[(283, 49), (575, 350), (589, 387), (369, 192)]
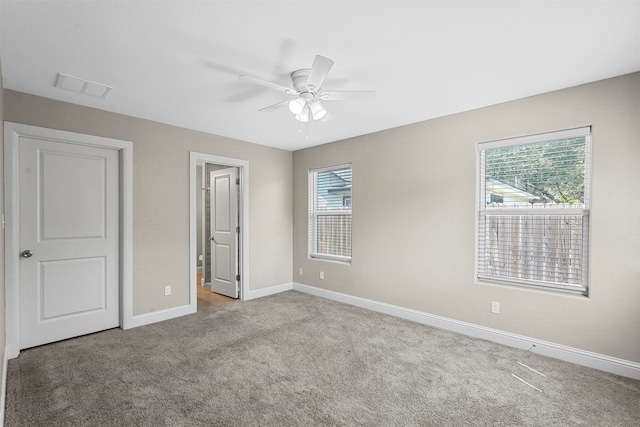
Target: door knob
[(26, 254)]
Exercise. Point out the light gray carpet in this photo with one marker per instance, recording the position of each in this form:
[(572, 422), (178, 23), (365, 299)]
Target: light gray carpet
[(297, 360)]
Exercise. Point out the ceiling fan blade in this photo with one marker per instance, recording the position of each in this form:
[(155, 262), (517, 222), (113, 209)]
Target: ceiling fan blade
[(319, 70), (270, 85), (352, 95), (274, 106)]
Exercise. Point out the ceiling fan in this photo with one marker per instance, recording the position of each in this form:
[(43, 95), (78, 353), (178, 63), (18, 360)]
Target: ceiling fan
[(307, 90)]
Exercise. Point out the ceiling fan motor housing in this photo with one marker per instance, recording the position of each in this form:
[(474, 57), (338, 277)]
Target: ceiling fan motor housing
[(299, 79)]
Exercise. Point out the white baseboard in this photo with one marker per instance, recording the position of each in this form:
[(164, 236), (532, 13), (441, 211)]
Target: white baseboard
[(170, 313), (263, 292), (574, 355), (159, 316), (3, 387)]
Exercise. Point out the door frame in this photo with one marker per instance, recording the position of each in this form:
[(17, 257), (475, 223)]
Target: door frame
[(12, 134), (194, 187)]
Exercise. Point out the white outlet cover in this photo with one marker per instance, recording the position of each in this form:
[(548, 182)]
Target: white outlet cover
[(495, 307)]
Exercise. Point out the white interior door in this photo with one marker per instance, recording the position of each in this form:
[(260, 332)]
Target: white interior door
[(223, 239), (68, 236)]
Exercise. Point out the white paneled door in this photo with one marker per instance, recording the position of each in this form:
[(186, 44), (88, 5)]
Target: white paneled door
[(68, 236), (223, 239)]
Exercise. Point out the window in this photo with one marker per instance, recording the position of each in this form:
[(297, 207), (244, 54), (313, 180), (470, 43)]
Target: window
[(330, 213), (533, 219)]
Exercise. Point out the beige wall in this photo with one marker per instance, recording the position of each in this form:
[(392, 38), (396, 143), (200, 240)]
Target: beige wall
[(414, 195), (161, 195)]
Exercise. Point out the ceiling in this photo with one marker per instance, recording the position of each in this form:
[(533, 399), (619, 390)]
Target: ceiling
[(178, 62)]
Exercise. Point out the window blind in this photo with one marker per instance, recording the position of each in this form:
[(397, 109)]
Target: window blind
[(533, 219), (330, 213)]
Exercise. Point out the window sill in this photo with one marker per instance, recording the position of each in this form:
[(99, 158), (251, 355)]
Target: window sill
[(334, 258), (485, 280)]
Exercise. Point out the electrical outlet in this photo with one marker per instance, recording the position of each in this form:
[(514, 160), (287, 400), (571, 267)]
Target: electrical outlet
[(167, 291), (322, 275), (300, 271), (495, 307)]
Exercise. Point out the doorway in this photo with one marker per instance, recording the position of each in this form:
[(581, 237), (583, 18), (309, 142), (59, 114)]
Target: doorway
[(219, 230)]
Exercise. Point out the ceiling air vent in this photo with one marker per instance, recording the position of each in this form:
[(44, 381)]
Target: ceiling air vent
[(84, 87)]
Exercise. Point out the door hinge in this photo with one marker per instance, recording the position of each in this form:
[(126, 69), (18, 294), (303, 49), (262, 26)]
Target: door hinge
[(238, 277), (237, 181), (237, 229)]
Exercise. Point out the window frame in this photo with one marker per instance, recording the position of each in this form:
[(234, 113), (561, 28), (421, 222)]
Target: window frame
[(584, 212), (313, 214)]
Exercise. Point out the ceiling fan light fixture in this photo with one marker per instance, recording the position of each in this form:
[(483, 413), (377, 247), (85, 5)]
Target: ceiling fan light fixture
[(317, 110), (296, 106), (303, 116)]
